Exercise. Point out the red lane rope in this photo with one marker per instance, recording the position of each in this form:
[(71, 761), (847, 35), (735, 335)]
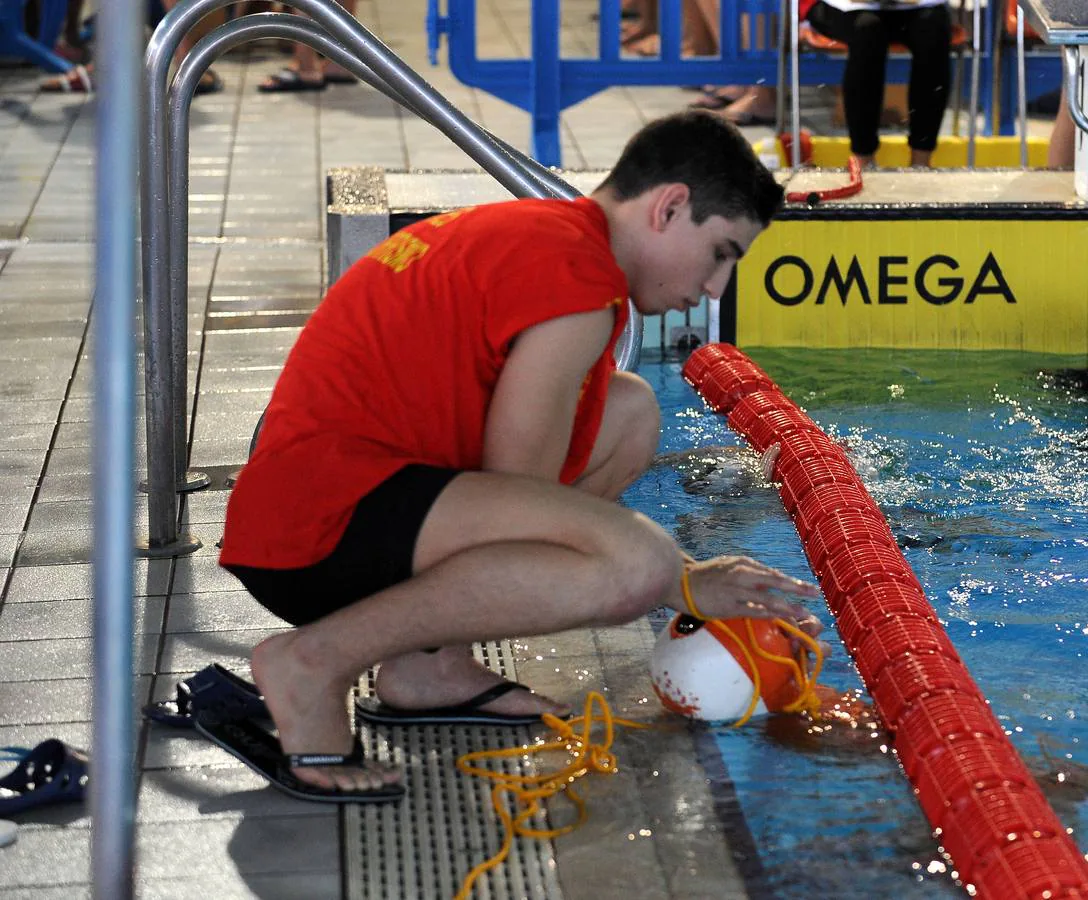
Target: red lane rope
[(852, 187), (985, 808)]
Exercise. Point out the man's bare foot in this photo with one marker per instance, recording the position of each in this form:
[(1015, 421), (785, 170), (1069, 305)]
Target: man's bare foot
[(449, 677), (311, 714), (636, 31), (756, 107), (649, 45)]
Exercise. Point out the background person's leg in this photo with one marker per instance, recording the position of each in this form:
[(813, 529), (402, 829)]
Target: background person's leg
[(866, 37), (1061, 152), (927, 33)]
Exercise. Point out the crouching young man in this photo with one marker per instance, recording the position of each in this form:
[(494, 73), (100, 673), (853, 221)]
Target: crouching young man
[(443, 451)]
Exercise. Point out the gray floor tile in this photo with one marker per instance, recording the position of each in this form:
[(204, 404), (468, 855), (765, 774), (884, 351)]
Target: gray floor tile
[(8, 544), (48, 857), (12, 517), (207, 507), (191, 651), (57, 548), (217, 453), (75, 734), (217, 611), (65, 700), (230, 426), (37, 583), (66, 487), (227, 791), (70, 461), (29, 412), (259, 846), (232, 885), (71, 619), (38, 702), (65, 514), (63, 658), (25, 463), (27, 437), (68, 892), (202, 573)]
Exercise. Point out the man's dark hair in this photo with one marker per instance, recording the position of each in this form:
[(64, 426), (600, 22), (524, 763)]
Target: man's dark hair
[(709, 155)]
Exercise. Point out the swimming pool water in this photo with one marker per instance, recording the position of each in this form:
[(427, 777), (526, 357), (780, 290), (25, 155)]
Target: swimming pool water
[(977, 460)]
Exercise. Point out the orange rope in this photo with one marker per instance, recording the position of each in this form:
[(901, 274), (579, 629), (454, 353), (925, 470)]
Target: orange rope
[(689, 601), (586, 756), (806, 701), (529, 790)]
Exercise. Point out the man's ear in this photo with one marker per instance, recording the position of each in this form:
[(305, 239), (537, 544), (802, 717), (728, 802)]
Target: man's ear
[(668, 202)]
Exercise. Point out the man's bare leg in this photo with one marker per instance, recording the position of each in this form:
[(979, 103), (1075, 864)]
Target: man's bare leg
[(500, 555), (1061, 153)]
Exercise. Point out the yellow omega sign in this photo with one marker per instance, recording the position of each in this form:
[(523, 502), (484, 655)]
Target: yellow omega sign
[(973, 284)]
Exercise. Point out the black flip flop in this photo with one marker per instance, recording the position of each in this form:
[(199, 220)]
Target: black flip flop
[(213, 686), (468, 713), (210, 83), (288, 81), (709, 101), (340, 78), (259, 749), (748, 120), (52, 772)]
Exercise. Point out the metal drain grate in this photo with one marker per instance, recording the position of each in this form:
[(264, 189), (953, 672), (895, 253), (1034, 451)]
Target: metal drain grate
[(423, 847)]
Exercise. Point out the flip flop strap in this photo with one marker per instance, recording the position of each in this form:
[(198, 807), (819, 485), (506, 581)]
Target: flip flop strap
[(325, 760), (15, 754), (473, 704)]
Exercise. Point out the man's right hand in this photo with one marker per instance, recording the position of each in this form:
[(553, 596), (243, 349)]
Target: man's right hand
[(729, 587)]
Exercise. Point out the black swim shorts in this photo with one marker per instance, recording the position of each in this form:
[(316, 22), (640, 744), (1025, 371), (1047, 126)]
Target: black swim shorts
[(374, 553)]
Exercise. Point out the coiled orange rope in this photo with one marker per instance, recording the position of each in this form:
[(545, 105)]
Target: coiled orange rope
[(806, 701), (528, 791), (586, 756)]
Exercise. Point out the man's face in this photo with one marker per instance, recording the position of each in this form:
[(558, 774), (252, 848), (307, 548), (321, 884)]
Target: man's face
[(683, 261)]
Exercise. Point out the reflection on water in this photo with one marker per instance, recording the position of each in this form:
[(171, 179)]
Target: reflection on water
[(977, 460)]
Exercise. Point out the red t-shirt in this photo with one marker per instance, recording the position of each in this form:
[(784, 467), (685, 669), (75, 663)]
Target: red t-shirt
[(399, 363)]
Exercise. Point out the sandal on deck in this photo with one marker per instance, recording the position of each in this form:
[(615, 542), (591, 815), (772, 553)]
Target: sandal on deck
[(213, 687), (210, 83), (76, 80), (289, 81), (335, 75), (743, 120), (371, 709), (52, 772), (248, 742)]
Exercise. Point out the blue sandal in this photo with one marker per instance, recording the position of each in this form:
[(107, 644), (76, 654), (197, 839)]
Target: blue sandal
[(52, 772)]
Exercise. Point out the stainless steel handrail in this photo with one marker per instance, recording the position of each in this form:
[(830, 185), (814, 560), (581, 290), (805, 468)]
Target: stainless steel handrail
[(1070, 71)]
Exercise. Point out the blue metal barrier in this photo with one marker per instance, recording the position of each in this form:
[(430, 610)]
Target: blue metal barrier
[(38, 49), (547, 83), (1043, 73)]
